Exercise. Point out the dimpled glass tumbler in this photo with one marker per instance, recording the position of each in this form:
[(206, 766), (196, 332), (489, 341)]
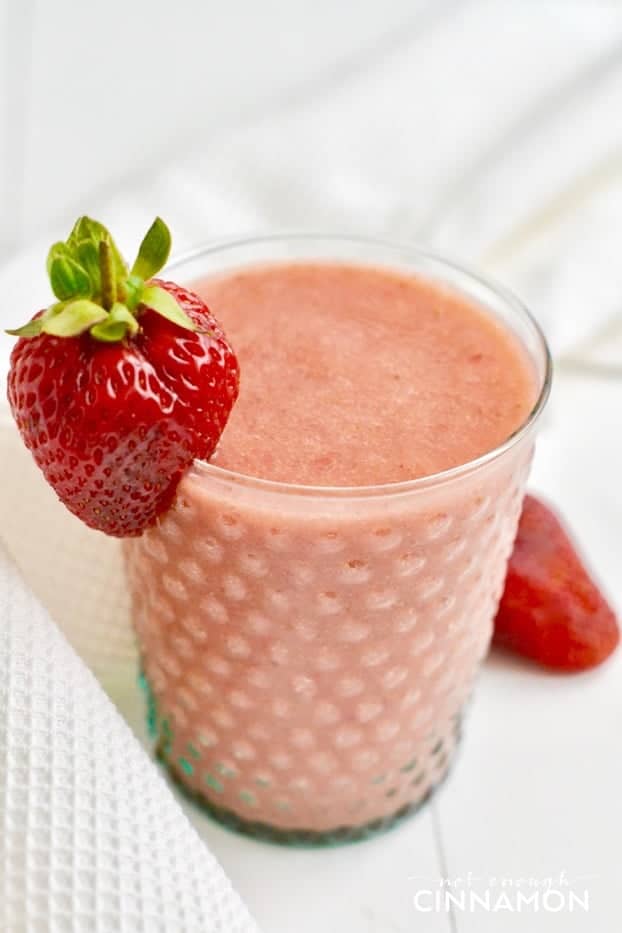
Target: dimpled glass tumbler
[(308, 651)]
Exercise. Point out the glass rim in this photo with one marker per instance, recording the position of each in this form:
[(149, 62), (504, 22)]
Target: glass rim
[(404, 486)]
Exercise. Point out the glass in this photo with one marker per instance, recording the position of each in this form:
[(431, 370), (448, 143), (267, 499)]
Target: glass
[(308, 652)]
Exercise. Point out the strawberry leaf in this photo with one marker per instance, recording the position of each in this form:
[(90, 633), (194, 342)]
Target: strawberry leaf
[(117, 325), (159, 300), (58, 250), (85, 228), (34, 327), (133, 291), (73, 319), (153, 252), (87, 254), (31, 329), (68, 278)]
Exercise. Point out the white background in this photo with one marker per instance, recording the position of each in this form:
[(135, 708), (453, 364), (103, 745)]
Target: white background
[(489, 128)]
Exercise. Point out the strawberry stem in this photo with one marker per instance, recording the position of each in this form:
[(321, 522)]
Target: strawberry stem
[(97, 293), (106, 268)]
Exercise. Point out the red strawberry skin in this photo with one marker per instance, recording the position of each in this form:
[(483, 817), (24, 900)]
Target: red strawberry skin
[(114, 425), (551, 610)]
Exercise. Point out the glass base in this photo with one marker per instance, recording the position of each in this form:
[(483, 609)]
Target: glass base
[(304, 838), (267, 832)]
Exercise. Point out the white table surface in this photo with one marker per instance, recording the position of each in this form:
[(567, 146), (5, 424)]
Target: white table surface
[(491, 130)]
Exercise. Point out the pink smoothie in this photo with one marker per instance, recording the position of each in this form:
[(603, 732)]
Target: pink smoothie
[(354, 376), (310, 653)]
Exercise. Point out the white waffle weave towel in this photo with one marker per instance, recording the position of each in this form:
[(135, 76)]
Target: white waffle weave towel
[(91, 838)]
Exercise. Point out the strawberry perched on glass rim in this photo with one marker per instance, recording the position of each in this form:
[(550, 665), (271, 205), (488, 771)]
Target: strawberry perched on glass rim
[(122, 382)]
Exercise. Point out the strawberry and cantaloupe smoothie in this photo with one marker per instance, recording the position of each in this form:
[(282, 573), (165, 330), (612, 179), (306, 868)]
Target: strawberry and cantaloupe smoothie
[(310, 634)]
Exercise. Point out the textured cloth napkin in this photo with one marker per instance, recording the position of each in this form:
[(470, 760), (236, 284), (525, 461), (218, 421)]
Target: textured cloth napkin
[(92, 839)]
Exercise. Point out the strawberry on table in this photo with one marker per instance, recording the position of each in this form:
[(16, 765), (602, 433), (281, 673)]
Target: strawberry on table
[(551, 610), (122, 382)]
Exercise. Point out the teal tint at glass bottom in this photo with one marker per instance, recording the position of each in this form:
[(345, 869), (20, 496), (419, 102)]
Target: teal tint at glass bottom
[(152, 715), (301, 837), (186, 766), (162, 733)]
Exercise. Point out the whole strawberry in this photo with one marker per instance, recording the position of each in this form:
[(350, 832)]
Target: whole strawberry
[(551, 610), (124, 381)]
